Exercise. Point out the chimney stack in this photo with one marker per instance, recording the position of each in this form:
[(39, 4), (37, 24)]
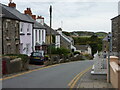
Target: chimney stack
[(34, 17), (40, 19), (28, 11), (12, 4)]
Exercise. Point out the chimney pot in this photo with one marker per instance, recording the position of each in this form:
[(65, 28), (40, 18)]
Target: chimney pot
[(13, 5)]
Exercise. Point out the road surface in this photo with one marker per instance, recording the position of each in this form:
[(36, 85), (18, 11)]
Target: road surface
[(58, 76)]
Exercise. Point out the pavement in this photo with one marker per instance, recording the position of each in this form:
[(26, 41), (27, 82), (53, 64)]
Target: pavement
[(93, 81)]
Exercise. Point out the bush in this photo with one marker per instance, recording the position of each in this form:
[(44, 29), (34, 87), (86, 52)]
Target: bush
[(88, 56), (22, 56), (60, 51), (76, 52)]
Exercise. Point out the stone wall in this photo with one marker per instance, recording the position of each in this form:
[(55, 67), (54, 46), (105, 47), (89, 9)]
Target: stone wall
[(115, 34), (11, 39)]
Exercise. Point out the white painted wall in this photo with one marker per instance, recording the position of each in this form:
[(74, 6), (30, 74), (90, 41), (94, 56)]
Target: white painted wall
[(41, 21), (25, 40), (41, 36), (89, 50), (57, 41)]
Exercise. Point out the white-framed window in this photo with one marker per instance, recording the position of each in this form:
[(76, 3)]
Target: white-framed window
[(39, 35), (28, 28), (6, 24), (35, 35), (27, 48), (21, 29)]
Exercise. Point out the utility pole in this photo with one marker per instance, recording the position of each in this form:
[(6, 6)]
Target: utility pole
[(109, 49), (50, 10)]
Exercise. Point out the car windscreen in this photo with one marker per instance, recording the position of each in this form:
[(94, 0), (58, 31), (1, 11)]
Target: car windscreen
[(37, 54)]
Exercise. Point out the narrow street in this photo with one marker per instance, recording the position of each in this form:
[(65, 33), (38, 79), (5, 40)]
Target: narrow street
[(58, 76)]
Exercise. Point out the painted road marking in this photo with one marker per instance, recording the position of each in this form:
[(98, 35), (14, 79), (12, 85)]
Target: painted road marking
[(27, 72), (30, 71), (77, 77)]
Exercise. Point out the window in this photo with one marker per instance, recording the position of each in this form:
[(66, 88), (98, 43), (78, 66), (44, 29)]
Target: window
[(42, 35), (6, 24), (39, 35), (21, 30), (36, 35), (27, 48), (28, 28)]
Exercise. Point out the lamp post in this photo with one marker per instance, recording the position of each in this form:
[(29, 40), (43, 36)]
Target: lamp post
[(50, 10), (109, 49)]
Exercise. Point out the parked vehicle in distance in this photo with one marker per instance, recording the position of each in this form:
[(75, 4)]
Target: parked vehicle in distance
[(37, 57)]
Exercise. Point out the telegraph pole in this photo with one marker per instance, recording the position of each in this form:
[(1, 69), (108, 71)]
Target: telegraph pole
[(50, 10), (109, 49)]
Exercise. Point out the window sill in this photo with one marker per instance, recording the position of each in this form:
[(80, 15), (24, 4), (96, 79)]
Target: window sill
[(22, 33), (28, 33)]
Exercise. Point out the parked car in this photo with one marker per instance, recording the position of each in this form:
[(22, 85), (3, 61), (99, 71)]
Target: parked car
[(37, 57)]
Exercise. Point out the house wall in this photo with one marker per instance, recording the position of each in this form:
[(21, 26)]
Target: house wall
[(57, 41), (89, 50), (48, 39), (115, 34), (39, 36), (64, 43), (26, 38), (11, 39), (105, 46)]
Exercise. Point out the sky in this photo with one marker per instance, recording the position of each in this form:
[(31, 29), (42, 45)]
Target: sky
[(73, 15)]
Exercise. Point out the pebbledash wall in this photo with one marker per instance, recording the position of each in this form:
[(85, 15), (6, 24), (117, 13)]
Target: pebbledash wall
[(26, 38)]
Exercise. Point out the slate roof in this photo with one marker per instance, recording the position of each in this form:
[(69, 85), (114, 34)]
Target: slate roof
[(7, 14), (18, 14), (53, 32), (36, 24), (82, 47)]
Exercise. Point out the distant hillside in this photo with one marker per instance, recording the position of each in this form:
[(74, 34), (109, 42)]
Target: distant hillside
[(84, 34)]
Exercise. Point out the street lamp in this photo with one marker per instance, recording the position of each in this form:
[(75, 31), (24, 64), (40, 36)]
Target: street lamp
[(108, 62), (50, 10)]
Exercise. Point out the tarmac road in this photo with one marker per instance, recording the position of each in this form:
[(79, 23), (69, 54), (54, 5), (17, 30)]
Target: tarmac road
[(58, 76)]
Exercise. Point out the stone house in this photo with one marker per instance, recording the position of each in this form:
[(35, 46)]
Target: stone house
[(10, 32), (105, 44), (53, 34), (116, 34), (66, 41), (84, 49), (25, 29)]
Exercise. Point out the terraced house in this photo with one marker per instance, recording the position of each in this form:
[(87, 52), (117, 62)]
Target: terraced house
[(24, 27), (116, 34), (39, 31), (10, 32)]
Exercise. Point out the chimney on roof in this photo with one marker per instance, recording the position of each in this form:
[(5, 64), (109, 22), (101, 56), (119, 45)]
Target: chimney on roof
[(40, 19), (34, 17), (59, 30), (12, 4), (28, 11)]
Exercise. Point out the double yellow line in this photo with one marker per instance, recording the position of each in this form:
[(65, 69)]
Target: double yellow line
[(27, 72), (77, 77)]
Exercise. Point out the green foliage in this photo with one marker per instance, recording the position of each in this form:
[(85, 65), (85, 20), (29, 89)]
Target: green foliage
[(60, 51), (24, 57), (93, 41), (76, 52), (66, 33)]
